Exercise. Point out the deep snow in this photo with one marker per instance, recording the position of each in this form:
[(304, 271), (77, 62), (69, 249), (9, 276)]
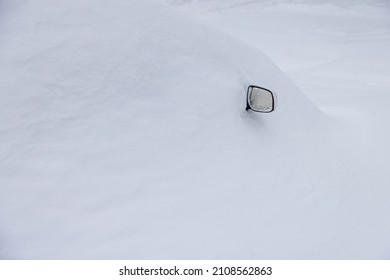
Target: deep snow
[(124, 135)]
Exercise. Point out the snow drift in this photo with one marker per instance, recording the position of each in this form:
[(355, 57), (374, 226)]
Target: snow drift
[(124, 135)]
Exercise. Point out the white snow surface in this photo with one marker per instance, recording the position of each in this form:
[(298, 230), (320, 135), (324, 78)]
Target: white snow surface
[(123, 133)]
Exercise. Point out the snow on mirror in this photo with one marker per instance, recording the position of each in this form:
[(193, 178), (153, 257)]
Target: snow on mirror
[(260, 99)]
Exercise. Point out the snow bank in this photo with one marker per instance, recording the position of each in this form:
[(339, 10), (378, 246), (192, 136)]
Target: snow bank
[(124, 135)]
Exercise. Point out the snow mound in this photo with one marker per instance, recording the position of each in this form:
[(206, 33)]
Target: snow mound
[(124, 135)]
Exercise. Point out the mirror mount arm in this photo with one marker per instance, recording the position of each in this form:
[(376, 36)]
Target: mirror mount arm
[(247, 108)]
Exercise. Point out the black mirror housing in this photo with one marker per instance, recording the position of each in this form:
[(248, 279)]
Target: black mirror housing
[(260, 99)]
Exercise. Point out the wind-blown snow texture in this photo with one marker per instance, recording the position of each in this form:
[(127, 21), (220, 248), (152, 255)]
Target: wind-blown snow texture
[(124, 135)]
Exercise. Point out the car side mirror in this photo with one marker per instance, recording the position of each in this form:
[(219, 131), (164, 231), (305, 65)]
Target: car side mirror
[(260, 99)]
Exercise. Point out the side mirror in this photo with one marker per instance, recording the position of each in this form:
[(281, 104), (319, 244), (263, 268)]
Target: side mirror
[(260, 99)]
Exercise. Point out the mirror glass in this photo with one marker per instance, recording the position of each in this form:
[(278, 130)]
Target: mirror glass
[(260, 99)]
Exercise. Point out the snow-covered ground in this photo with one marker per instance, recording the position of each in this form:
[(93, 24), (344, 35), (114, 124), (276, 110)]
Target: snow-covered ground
[(123, 132)]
